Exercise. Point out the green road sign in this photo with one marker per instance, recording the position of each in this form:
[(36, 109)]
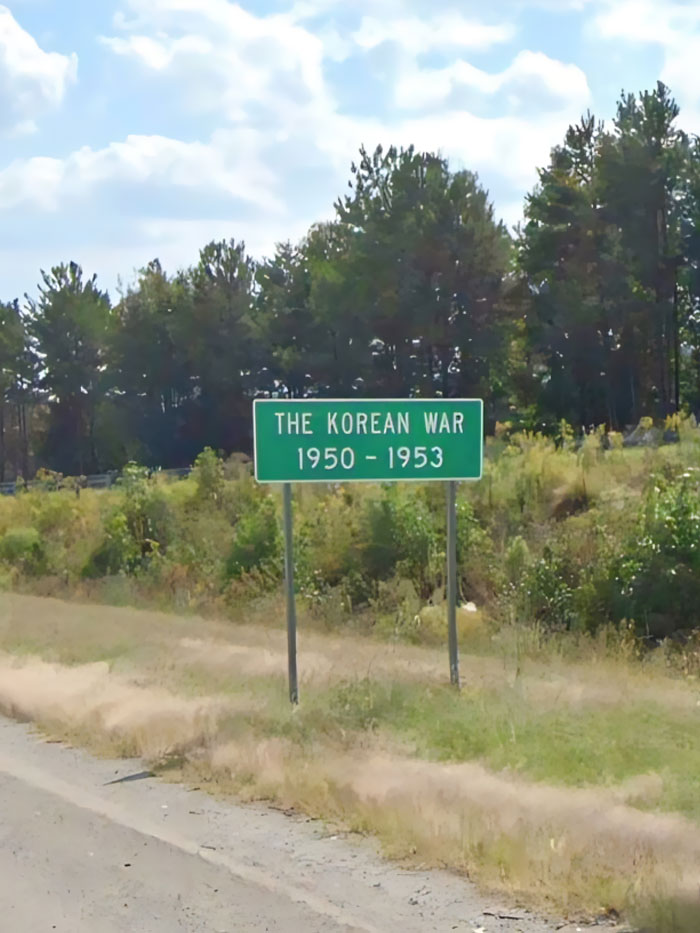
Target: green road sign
[(324, 441)]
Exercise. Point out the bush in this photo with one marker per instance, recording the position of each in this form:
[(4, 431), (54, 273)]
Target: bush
[(516, 559), (23, 549), (547, 595), (399, 536), (53, 511), (326, 543), (656, 579), (118, 552), (257, 541), (140, 528), (209, 476), (397, 607), (148, 515)]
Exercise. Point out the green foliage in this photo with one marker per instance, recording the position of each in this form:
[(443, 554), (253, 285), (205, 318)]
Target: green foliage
[(118, 552), (257, 541), (396, 607), (54, 513), (399, 536), (23, 548), (71, 324), (148, 516), (607, 251), (549, 594), (628, 554), (328, 547), (209, 476), (138, 530), (516, 559), (657, 576)]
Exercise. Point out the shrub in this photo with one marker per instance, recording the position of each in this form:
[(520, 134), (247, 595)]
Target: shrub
[(209, 476), (516, 559), (397, 606), (326, 542), (479, 573), (53, 512), (257, 540), (23, 549), (240, 496), (398, 535), (547, 594), (141, 527), (148, 514), (118, 551), (656, 579)]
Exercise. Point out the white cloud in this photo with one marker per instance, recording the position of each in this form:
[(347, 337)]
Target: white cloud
[(225, 57), (285, 144), (557, 6), (158, 55), (237, 60), (529, 77), (672, 25), (228, 164), (31, 80), (442, 31), (508, 147)]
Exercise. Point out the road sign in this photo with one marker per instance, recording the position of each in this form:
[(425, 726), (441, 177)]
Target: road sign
[(329, 441)]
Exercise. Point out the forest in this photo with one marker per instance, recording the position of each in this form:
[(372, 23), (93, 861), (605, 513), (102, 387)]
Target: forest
[(589, 313)]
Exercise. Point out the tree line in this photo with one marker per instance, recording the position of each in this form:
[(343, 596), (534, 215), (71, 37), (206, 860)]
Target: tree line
[(589, 313)]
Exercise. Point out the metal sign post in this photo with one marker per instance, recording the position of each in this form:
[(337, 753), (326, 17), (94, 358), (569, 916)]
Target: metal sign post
[(452, 582), (368, 440), (291, 603)]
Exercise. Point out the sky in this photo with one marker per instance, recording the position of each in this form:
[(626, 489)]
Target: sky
[(142, 129)]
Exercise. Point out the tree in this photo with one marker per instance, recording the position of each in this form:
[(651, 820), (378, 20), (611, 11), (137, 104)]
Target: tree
[(642, 170), (285, 323), (688, 294), (16, 378), (149, 358), (222, 349), (569, 256), (314, 334), (603, 253), (69, 326), (426, 262)]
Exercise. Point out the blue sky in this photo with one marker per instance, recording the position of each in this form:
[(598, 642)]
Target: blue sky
[(135, 129)]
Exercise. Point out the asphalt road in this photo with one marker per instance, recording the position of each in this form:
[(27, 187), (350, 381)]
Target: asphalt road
[(80, 853)]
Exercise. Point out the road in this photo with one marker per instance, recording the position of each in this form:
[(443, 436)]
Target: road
[(84, 851)]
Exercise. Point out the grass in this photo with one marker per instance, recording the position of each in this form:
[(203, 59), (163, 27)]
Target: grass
[(569, 781)]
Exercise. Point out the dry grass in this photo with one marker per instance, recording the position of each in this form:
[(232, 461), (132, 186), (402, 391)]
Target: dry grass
[(208, 700), (129, 639)]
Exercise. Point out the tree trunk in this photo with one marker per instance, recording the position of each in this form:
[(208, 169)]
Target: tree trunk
[(676, 350), (23, 439), (660, 312)]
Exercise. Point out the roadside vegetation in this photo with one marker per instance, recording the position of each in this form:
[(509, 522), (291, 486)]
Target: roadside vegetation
[(571, 534), (566, 770)]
